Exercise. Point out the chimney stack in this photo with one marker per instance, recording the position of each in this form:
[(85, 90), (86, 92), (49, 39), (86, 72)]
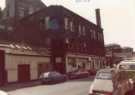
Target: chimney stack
[(98, 19)]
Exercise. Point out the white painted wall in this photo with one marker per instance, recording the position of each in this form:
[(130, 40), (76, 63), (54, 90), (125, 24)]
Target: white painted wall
[(12, 62)]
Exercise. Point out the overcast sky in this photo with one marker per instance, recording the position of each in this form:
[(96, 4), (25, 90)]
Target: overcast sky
[(118, 17)]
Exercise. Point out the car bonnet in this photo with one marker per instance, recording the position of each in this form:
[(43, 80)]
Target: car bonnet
[(103, 85)]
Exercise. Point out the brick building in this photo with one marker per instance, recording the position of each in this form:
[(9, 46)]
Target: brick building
[(74, 41), (57, 36), (21, 60), (115, 53), (21, 8)]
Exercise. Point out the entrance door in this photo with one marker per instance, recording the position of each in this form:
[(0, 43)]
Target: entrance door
[(3, 76), (23, 72)]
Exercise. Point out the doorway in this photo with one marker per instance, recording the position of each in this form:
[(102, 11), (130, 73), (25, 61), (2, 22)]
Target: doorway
[(23, 72)]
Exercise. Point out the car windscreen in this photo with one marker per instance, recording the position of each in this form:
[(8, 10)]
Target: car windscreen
[(127, 67), (104, 75)]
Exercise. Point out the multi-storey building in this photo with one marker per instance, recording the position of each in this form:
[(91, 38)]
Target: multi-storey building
[(55, 36), (24, 59), (115, 53), (74, 41), (19, 8)]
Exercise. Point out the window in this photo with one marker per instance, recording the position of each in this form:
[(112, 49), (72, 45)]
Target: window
[(79, 28), (48, 41), (94, 34), (127, 67), (2, 27), (98, 36), (67, 41), (71, 26), (91, 36), (83, 31), (31, 10), (21, 14), (47, 22), (53, 24), (101, 37), (66, 23), (84, 45), (104, 75), (10, 28), (72, 62)]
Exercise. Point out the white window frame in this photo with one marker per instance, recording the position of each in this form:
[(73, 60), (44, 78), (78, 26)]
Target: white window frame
[(94, 34), (84, 31), (79, 30), (66, 23), (47, 18), (71, 26)]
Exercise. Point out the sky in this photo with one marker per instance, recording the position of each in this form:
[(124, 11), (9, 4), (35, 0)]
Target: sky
[(117, 17)]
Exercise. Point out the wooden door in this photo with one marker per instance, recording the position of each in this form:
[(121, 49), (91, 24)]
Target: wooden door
[(3, 75), (23, 72)]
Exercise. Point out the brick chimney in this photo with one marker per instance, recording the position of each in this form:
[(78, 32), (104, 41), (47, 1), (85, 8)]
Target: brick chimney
[(98, 19)]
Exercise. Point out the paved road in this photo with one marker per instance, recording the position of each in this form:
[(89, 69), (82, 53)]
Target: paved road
[(74, 87)]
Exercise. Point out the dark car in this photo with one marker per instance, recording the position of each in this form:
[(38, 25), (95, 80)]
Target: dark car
[(78, 74), (52, 77), (92, 72)]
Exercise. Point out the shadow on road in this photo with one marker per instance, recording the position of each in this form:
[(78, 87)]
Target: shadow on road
[(91, 78)]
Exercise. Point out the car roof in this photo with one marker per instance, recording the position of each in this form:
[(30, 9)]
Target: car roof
[(106, 70), (129, 62)]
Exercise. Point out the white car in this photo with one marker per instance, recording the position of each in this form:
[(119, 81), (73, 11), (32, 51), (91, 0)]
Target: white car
[(102, 84), (3, 92)]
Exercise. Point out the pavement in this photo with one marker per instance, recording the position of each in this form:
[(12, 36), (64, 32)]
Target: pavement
[(70, 87), (15, 86)]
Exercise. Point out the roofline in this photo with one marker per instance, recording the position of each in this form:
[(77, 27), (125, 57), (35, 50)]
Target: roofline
[(75, 14), (65, 9)]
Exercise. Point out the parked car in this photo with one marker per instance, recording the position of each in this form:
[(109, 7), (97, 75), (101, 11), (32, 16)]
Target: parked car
[(102, 84), (92, 72), (3, 92), (78, 74), (52, 77)]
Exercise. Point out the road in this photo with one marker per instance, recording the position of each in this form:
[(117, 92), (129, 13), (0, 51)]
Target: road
[(74, 87)]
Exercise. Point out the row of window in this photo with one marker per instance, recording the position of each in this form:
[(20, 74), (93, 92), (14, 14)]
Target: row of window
[(69, 26), (3, 27), (84, 47)]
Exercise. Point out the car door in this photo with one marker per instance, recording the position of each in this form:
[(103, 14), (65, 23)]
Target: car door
[(57, 76)]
